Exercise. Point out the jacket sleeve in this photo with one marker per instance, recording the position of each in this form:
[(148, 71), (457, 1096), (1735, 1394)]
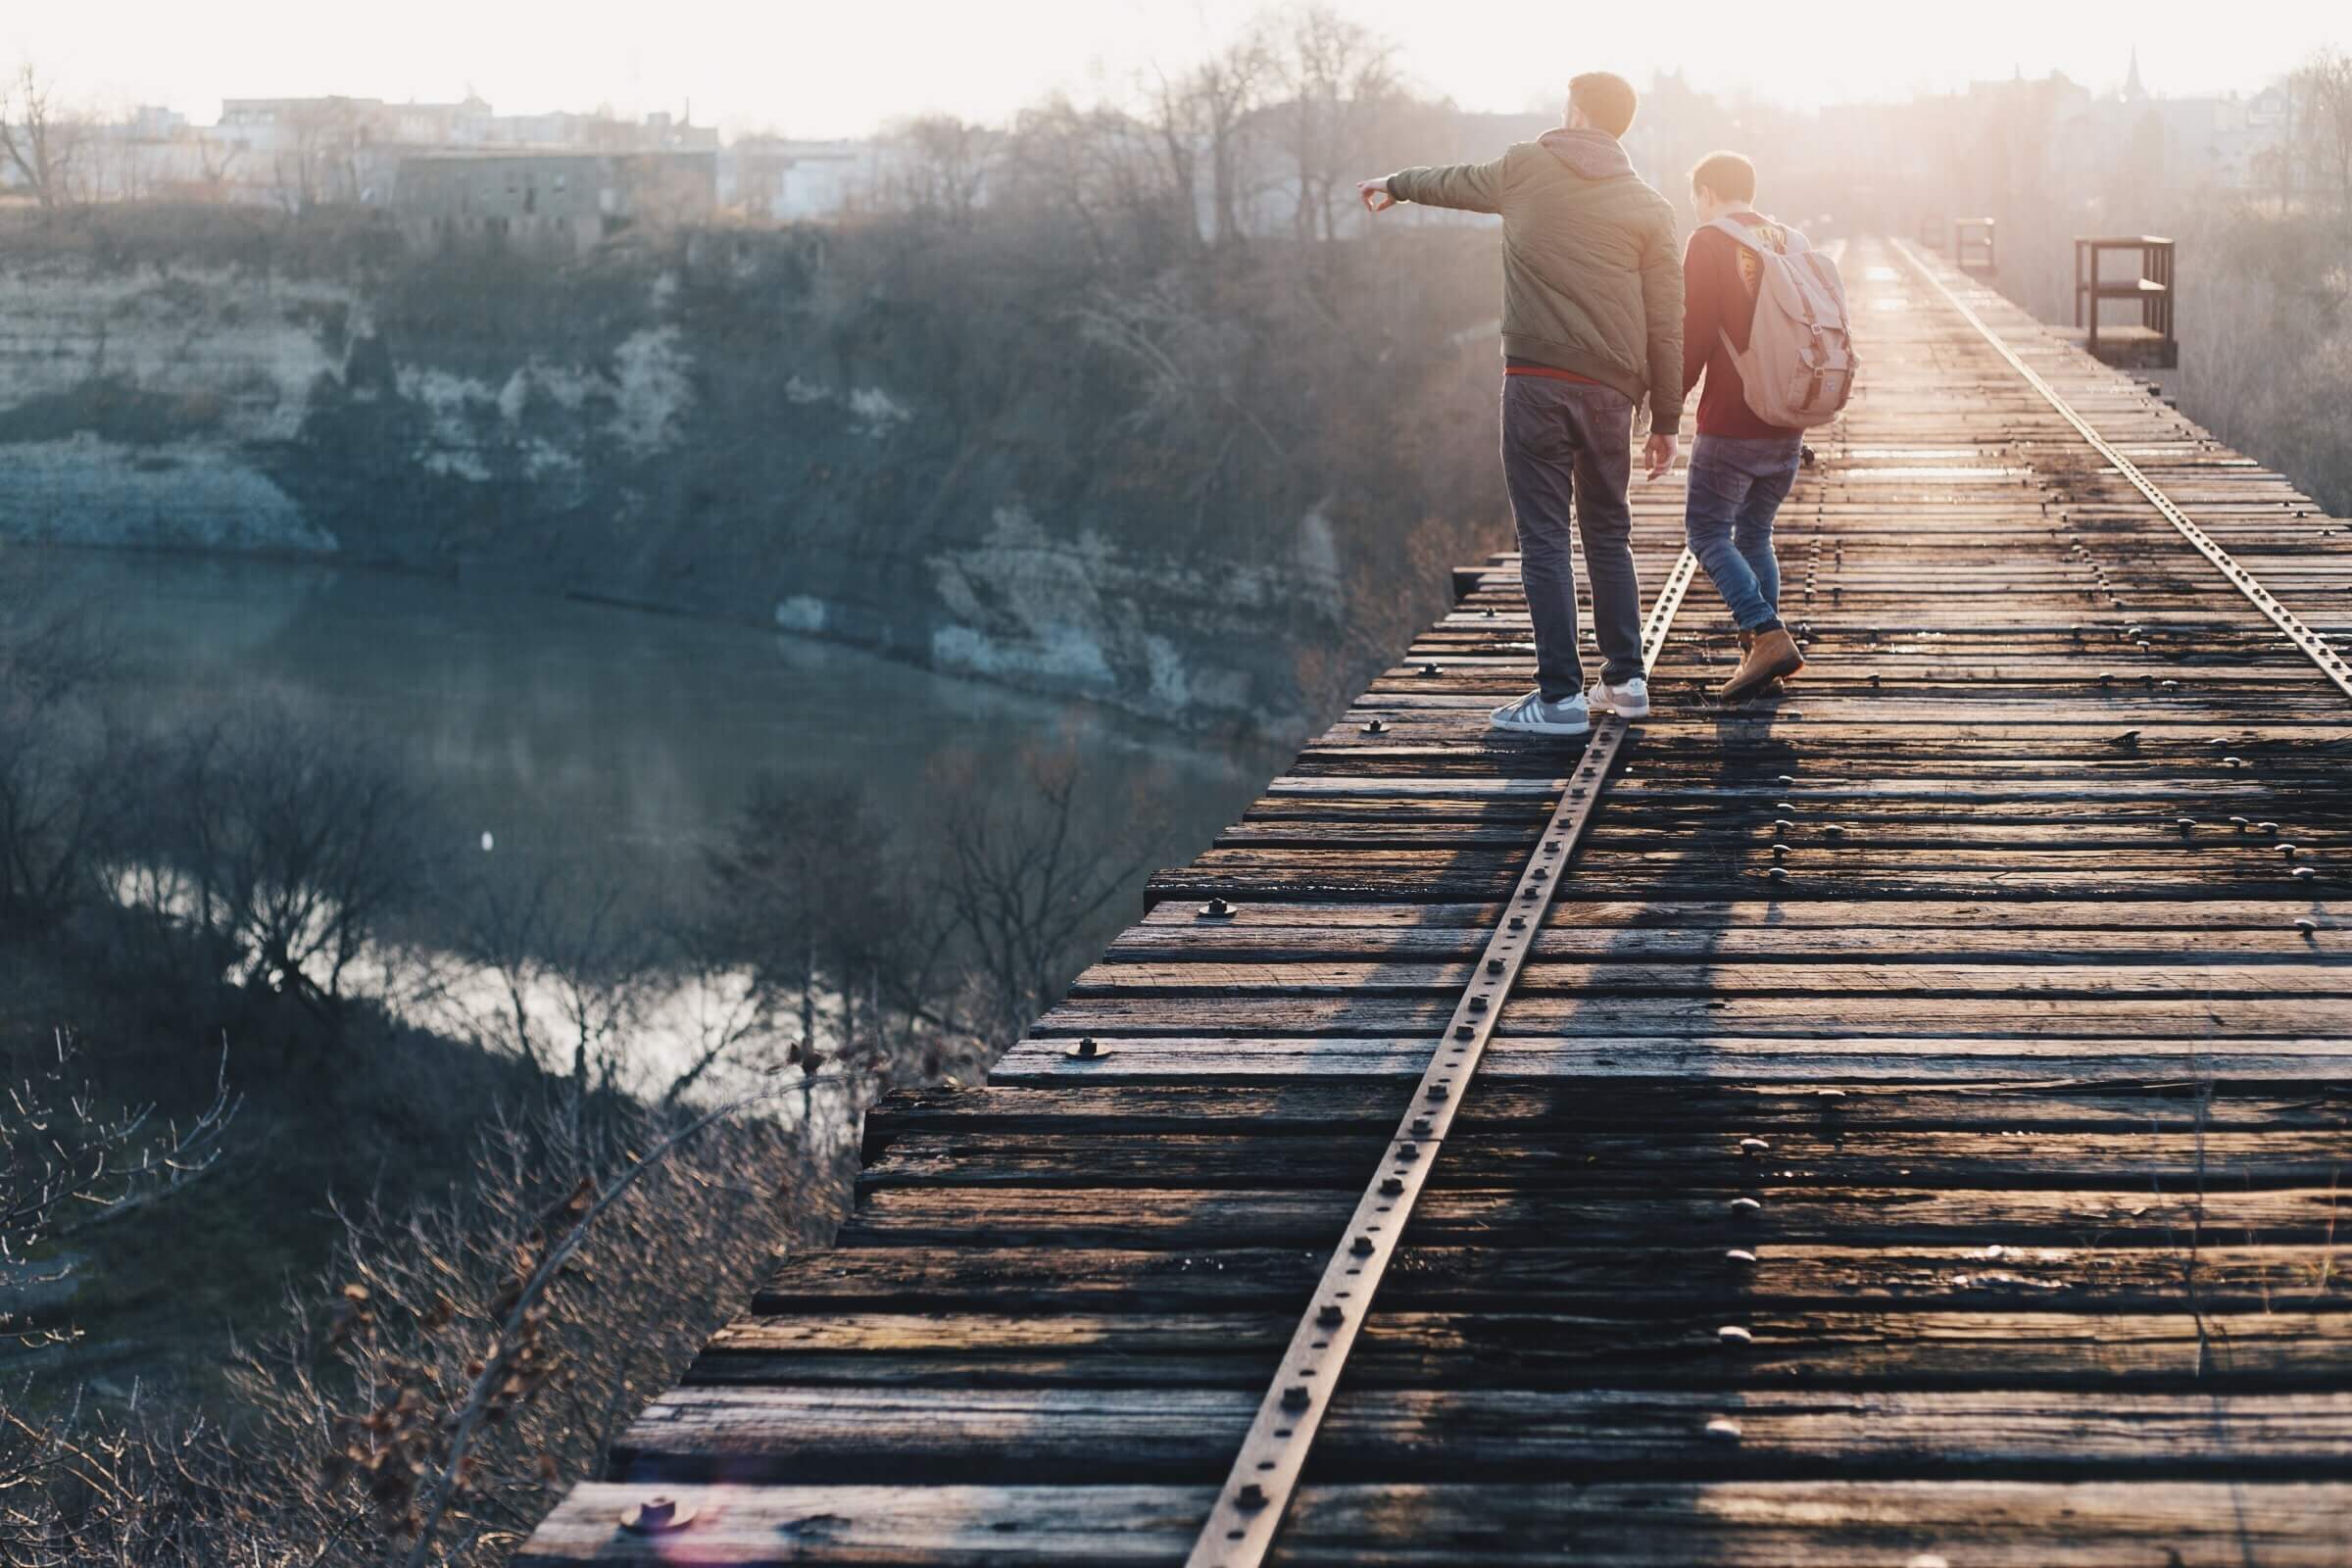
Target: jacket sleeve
[(1662, 304), (1472, 187), (1702, 304)]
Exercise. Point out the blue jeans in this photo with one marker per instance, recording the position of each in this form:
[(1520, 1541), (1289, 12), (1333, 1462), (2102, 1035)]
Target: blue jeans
[(1567, 446), (1736, 485)]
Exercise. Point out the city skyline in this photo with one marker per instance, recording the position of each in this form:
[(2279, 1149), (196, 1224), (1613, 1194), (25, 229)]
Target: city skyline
[(848, 73)]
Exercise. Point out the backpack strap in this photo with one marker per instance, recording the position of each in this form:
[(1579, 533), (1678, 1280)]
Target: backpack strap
[(1739, 234)]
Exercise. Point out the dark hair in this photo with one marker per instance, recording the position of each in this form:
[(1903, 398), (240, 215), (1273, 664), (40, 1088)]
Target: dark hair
[(1728, 174), (1608, 100)]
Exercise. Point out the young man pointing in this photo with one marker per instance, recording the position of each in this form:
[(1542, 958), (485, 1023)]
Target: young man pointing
[(1592, 324)]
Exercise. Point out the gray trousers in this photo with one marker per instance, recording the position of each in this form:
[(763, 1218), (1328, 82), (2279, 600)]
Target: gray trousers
[(1568, 445)]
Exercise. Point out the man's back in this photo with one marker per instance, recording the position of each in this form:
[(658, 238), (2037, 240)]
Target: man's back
[(1592, 278)]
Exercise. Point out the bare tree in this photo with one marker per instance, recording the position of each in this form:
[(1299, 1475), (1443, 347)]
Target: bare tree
[(2323, 89), (40, 137), (276, 849), (1219, 100), (808, 894), (331, 136), (1029, 862), (943, 165), (1337, 74), (63, 772)]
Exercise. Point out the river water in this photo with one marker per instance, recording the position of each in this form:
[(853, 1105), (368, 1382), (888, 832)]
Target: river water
[(615, 739)]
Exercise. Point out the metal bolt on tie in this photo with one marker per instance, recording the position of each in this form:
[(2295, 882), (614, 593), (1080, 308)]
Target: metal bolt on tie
[(1734, 1334), (1745, 1205), (656, 1516), (1215, 909), (1376, 727), (1087, 1049), (1331, 1317), (2306, 924)]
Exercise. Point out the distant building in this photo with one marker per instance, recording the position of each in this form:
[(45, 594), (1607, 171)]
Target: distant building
[(548, 198), (776, 178)]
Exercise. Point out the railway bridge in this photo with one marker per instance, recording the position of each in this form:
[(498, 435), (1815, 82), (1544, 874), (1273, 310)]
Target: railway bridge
[(1902, 1121)]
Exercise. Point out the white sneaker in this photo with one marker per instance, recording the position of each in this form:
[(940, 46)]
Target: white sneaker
[(1628, 701), (1532, 715)]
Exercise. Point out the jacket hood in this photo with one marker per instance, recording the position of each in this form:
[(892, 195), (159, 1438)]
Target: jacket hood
[(1589, 154)]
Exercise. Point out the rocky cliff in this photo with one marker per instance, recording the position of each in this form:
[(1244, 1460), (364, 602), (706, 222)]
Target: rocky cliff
[(943, 447)]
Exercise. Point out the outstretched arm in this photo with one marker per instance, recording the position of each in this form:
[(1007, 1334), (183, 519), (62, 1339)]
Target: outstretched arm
[(1471, 187)]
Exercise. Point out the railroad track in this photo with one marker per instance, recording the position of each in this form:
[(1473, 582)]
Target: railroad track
[(1909, 1130)]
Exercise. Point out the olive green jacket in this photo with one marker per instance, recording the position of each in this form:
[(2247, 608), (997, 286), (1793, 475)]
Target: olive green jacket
[(1591, 266)]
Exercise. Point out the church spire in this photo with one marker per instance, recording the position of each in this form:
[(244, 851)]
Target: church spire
[(2132, 90)]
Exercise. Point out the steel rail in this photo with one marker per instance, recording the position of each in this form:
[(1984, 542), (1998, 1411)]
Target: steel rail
[(1249, 1506), (2332, 664)]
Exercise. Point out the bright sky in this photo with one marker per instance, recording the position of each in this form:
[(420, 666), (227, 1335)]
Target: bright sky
[(835, 68)]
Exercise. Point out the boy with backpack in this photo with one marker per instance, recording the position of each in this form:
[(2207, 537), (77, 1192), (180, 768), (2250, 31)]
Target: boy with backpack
[(1764, 320)]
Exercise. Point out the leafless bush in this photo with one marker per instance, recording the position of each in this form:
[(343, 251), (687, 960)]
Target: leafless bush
[(466, 1360), (69, 1163), (458, 1365)]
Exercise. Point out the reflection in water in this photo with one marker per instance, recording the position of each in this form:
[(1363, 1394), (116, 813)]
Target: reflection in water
[(618, 742)]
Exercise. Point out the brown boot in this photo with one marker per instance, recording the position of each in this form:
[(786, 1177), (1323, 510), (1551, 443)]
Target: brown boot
[(1770, 657), (1775, 687)]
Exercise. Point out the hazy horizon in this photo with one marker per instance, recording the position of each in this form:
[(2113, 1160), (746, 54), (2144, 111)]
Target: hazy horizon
[(846, 71)]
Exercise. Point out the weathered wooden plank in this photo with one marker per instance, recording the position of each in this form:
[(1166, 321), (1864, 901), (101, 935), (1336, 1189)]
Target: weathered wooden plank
[(2152, 1271), (1696, 1055), (2190, 947), (803, 1435), (1832, 984), (1581, 1158), (2190, 1016), (1561, 1348), (1639, 1523), (1726, 1112), (1176, 1218)]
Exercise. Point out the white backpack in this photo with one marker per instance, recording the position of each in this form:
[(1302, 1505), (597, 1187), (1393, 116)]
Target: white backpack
[(1800, 367)]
